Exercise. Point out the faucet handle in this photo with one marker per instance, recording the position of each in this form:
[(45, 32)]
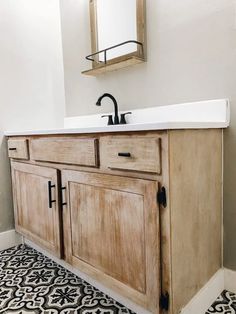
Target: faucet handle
[(110, 120), (122, 117)]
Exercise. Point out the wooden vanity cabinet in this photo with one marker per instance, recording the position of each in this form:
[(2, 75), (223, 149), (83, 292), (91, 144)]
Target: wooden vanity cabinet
[(36, 204), (140, 212)]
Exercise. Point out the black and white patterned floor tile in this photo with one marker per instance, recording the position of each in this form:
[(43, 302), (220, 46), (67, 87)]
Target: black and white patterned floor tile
[(33, 283), (225, 303)]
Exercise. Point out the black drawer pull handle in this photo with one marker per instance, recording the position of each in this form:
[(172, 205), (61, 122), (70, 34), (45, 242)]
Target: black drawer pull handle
[(124, 154), (50, 200), (12, 148)]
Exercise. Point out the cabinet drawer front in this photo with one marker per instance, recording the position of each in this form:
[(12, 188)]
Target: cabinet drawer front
[(18, 149), (131, 153), (69, 151)]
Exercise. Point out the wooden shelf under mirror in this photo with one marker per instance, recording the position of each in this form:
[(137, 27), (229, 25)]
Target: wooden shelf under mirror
[(114, 66)]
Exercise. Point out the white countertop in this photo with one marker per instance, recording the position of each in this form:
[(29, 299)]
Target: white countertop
[(195, 115)]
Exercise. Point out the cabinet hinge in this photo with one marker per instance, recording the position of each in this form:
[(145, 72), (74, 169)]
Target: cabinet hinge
[(161, 197), (164, 301)]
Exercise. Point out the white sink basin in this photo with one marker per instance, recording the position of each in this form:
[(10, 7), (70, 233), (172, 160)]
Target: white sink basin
[(195, 115)]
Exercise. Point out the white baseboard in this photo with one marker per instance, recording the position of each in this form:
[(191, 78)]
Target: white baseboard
[(207, 295), (132, 306), (9, 239), (224, 279), (230, 280)]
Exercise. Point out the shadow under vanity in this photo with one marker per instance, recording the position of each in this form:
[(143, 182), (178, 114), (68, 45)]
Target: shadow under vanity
[(140, 212)]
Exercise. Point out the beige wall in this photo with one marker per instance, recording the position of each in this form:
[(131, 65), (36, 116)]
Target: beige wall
[(191, 56), (31, 78)]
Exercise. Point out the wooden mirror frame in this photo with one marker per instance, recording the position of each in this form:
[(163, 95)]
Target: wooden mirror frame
[(132, 58)]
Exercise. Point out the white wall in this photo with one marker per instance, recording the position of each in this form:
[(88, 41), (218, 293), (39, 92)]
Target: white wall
[(191, 56), (31, 78)]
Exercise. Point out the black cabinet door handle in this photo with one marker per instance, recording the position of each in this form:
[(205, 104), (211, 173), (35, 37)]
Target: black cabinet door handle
[(50, 200), (62, 202), (124, 154), (12, 148)]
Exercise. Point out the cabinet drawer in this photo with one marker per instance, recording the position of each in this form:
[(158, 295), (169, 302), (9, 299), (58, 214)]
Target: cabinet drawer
[(131, 153), (18, 149), (82, 151)]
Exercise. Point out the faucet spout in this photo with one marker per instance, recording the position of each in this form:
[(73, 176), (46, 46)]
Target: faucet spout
[(98, 103)]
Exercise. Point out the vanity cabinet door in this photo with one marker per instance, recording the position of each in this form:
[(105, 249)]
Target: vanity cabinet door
[(35, 191), (111, 232)]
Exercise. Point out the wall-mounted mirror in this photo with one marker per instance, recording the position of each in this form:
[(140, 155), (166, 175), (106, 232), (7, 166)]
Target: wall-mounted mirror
[(117, 34)]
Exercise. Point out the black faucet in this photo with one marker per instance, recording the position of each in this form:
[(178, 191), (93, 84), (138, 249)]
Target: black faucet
[(116, 118), (122, 119)]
